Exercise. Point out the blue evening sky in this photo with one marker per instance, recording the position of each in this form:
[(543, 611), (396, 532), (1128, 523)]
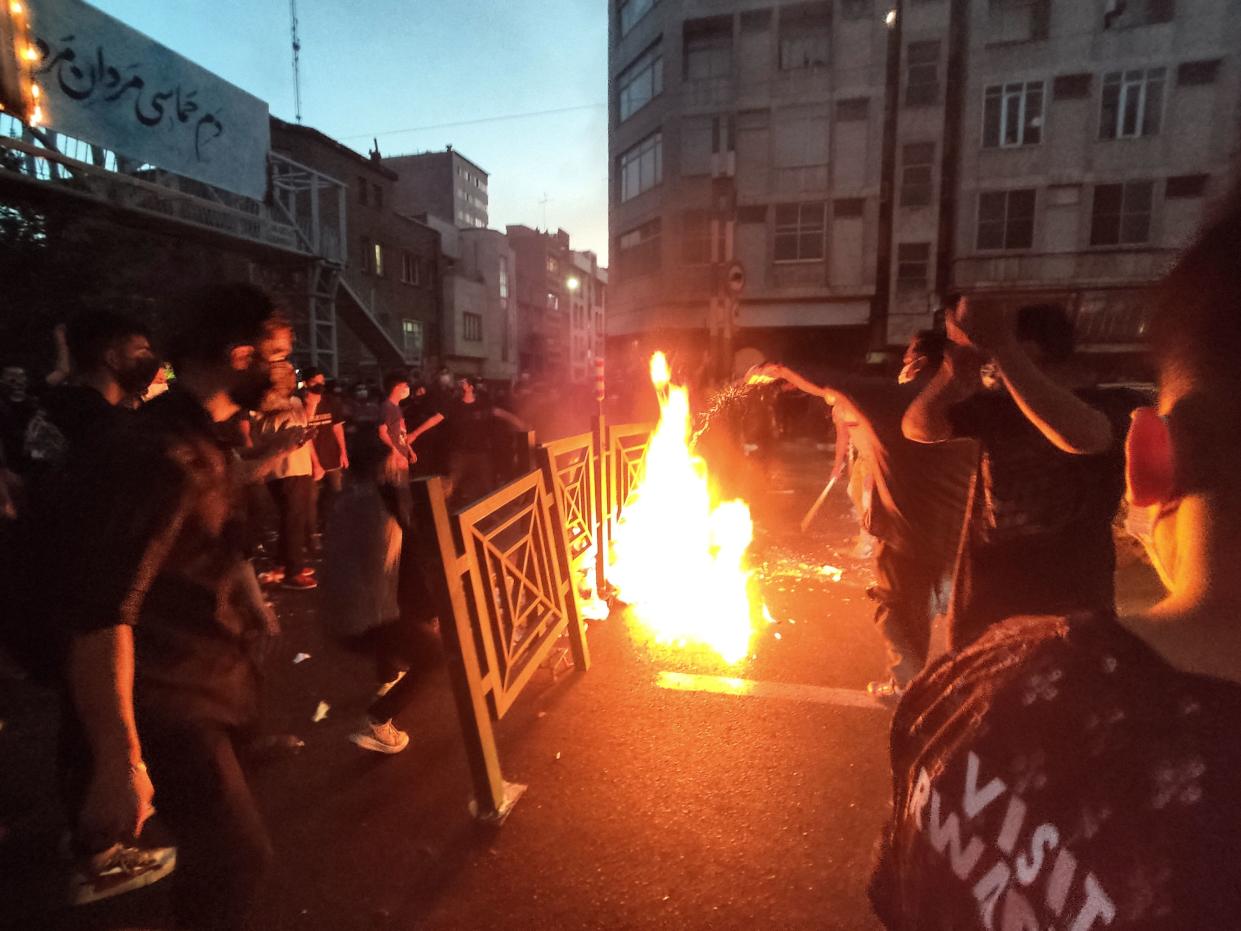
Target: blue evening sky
[(373, 66)]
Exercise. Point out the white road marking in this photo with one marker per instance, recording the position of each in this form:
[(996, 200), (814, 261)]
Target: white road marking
[(724, 685)]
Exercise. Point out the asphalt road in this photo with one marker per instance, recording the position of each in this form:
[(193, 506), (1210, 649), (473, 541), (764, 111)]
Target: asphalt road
[(647, 806)]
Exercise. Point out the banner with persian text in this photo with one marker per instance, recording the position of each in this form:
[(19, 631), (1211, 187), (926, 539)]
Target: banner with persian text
[(110, 85)]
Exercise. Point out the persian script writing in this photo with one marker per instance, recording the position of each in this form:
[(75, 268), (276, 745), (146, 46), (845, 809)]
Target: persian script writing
[(93, 79)]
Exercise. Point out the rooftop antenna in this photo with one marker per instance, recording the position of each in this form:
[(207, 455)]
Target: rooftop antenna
[(297, 75), (543, 203)]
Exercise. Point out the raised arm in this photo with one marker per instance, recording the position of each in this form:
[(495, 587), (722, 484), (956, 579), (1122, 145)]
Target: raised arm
[(1068, 422), (926, 418)]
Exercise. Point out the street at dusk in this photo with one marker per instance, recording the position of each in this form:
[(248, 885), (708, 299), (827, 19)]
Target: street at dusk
[(674, 464)]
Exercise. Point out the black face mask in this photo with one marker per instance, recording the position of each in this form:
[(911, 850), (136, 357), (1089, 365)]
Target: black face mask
[(252, 387), (315, 389), (136, 377)]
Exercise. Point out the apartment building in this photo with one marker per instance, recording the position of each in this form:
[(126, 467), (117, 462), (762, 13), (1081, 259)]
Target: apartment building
[(388, 293), (443, 184), (811, 179)]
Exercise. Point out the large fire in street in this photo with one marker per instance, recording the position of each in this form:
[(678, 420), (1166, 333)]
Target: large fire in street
[(679, 558)]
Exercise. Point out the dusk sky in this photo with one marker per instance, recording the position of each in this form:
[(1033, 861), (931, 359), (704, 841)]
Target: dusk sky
[(371, 68)]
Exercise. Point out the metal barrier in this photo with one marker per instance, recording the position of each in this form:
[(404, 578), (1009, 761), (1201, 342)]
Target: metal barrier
[(504, 573), (504, 598)]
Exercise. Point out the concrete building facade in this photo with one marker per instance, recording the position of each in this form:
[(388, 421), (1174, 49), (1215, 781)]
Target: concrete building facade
[(443, 184), (480, 309), (817, 177), (561, 305), (388, 293)]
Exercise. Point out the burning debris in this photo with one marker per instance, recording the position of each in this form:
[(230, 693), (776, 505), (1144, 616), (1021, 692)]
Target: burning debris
[(679, 558)]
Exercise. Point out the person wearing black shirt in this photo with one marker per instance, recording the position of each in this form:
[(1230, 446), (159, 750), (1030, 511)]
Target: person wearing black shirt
[(1080, 772), (470, 423), (158, 596), (917, 507), (325, 415), (1039, 526)]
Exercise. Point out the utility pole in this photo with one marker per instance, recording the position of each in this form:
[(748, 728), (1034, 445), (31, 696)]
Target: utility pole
[(297, 74), (887, 183)]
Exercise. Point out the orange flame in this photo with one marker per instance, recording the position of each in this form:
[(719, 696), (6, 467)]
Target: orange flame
[(679, 558)]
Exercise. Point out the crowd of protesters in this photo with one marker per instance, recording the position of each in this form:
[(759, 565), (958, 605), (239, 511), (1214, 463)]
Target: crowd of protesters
[(1060, 766), (145, 502)]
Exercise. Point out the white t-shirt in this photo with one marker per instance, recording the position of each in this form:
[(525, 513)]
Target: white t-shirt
[(290, 414)]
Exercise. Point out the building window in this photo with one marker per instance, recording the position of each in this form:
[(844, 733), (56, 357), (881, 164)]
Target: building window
[(364, 189), (913, 263), (922, 73), (1012, 114), (409, 268), (504, 284), (472, 327), (1122, 213), (1191, 73), (917, 181), (852, 108), (844, 208), (1186, 186), (552, 301), (639, 250), (411, 338), (378, 265), (805, 36), (1071, 86), (552, 265), (377, 195), (1018, 20), (856, 9), (708, 49), (1132, 103), (368, 255), (1130, 14), (630, 11), (1006, 219), (696, 239), (642, 167), (800, 231), (640, 82)]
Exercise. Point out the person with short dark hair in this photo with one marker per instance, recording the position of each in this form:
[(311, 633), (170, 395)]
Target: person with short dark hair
[(391, 429), (157, 596), (917, 505), (1080, 772), (1039, 524)]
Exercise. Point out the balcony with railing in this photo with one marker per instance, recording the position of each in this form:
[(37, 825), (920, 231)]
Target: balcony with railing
[(1061, 270)]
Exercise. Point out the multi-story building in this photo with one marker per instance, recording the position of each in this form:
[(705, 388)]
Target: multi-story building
[(388, 292), (480, 310), (1094, 137), (586, 290), (544, 266), (803, 177), (443, 184), (745, 172)]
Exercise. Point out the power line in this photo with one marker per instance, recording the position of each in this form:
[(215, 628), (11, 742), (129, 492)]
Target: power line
[(485, 119)]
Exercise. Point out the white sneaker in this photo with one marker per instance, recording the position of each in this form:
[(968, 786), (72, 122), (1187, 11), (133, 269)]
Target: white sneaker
[(381, 738), (117, 870)]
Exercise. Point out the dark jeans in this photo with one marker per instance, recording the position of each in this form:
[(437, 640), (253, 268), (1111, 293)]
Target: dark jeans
[(294, 496), (409, 645), (223, 850), (327, 489), (903, 591)]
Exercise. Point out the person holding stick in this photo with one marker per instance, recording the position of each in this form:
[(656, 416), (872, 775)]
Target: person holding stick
[(918, 505)]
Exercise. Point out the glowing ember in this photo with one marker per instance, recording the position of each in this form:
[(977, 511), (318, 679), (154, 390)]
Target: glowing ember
[(679, 557)]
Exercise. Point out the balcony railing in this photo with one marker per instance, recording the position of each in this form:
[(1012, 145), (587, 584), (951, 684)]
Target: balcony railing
[(1137, 266)]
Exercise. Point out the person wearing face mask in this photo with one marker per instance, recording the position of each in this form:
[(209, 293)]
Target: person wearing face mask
[(112, 363), (161, 664), (916, 505), (1079, 772)]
